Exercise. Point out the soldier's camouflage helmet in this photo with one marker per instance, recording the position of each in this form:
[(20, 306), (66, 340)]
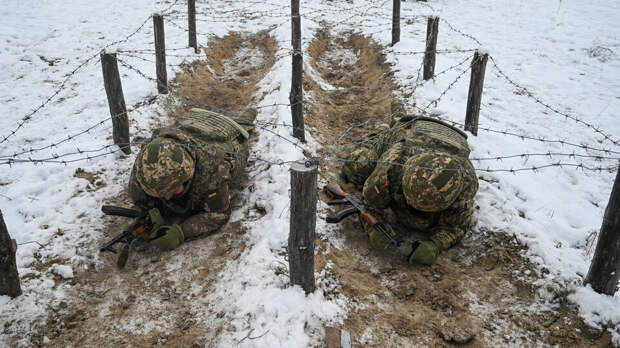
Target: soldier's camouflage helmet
[(163, 166), (432, 182)]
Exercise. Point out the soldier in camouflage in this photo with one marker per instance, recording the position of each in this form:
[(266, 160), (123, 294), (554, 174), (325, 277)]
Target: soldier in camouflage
[(416, 173), (183, 174)]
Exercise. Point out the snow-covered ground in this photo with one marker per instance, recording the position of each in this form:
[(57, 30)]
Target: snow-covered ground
[(564, 52)]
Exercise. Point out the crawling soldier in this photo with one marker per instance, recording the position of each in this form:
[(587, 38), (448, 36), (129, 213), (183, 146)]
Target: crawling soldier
[(417, 175), (183, 174)]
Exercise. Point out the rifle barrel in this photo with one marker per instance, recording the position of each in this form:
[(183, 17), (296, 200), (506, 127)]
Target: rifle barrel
[(120, 211)]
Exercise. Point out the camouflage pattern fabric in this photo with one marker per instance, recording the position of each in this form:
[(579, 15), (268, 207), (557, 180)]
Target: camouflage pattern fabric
[(448, 202), (204, 205), (163, 165), (363, 159), (431, 182)]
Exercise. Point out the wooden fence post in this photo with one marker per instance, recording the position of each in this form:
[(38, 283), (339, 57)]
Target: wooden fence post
[(474, 97), (116, 101), (302, 224), (9, 278), (296, 97), (160, 54), (191, 24), (395, 21), (604, 272), (432, 31)]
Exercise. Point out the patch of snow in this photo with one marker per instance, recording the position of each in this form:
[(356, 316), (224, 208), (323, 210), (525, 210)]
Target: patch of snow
[(65, 271)]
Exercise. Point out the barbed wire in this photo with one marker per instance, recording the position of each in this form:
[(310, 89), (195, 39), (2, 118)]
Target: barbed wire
[(531, 95), (264, 126), (44, 103), (344, 134), (136, 57), (406, 124), (425, 4), (363, 124), (64, 82), (451, 27), (445, 71), (56, 92), (525, 137), (450, 86), (136, 70), (69, 137), (489, 170), (122, 146)]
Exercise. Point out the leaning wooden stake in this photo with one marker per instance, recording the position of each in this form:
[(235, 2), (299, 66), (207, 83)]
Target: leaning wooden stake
[(160, 54), (395, 21), (432, 31), (302, 224), (604, 272), (9, 278), (191, 24), (116, 101), (474, 98), (296, 96)]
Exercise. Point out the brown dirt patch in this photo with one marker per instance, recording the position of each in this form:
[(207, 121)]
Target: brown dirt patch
[(155, 300), (354, 86), (480, 293), (229, 76)]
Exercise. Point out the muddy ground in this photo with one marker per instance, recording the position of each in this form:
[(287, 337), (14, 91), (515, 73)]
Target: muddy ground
[(479, 294)]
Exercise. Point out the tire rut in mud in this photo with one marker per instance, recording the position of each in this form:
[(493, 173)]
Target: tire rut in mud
[(158, 298), (479, 293)]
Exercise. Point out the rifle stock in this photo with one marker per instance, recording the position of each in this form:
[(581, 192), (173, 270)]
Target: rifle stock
[(335, 189)]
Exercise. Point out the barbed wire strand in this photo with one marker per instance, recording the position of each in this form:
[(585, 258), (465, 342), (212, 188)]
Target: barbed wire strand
[(531, 95)]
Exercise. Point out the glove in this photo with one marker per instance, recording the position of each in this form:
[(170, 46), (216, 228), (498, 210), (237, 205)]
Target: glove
[(167, 237), (156, 219), (377, 238), (423, 252)]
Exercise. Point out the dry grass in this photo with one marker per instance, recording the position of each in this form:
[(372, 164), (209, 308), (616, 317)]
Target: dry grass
[(228, 78), (363, 89)]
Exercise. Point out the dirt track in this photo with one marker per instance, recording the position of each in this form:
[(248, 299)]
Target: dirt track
[(158, 299), (479, 293)]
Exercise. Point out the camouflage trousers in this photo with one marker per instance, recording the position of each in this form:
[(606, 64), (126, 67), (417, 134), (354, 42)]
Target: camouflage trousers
[(203, 224)]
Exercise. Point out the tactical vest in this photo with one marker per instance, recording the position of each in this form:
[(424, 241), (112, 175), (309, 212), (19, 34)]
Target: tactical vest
[(432, 134), (211, 127)]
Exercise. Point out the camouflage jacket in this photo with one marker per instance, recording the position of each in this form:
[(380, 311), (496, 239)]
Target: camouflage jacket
[(220, 154), (376, 167)]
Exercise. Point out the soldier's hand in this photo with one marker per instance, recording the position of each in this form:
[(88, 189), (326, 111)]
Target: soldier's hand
[(423, 252), (167, 237), (377, 239), (156, 220)]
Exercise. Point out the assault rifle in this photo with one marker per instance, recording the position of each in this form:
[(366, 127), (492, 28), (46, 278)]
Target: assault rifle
[(142, 224), (357, 206)]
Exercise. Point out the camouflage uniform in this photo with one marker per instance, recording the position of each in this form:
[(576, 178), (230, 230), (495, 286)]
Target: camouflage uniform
[(219, 148), (444, 214)]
